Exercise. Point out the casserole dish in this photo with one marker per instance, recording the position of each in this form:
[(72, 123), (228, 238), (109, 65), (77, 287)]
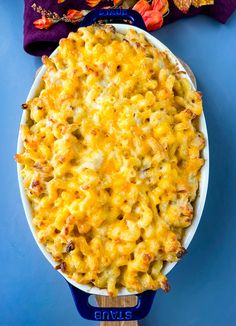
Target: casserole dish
[(81, 292)]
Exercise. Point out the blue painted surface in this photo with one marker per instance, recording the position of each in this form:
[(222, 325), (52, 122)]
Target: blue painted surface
[(203, 284)]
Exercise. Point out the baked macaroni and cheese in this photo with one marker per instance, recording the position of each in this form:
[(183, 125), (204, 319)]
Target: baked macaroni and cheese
[(111, 159)]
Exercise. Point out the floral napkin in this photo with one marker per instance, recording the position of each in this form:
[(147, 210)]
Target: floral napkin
[(43, 41)]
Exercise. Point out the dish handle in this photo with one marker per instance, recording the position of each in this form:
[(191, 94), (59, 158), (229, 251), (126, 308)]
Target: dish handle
[(87, 311), (122, 14)]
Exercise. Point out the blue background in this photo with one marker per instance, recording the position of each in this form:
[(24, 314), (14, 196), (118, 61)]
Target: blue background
[(203, 283)]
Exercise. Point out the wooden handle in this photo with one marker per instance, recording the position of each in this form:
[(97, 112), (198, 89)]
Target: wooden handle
[(124, 301)]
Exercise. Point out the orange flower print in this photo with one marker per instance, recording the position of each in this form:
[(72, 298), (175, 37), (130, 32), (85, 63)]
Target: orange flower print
[(152, 13), (43, 23), (92, 3), (73, 14), (153, 20), (161, 5), (142, 6), (117, 2)]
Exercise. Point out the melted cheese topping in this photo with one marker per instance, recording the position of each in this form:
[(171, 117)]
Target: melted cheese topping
[(111, 159)]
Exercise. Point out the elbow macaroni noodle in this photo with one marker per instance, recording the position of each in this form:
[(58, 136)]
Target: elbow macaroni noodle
[(111, 159)]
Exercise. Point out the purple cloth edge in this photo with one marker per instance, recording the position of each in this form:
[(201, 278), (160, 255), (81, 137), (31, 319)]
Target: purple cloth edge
[(39, 42)]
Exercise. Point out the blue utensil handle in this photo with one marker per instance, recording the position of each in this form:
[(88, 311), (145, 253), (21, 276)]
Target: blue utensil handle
[(101, 14), (87, 311)]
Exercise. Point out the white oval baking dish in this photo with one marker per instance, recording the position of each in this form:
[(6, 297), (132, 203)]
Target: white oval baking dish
[(200, 201)]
